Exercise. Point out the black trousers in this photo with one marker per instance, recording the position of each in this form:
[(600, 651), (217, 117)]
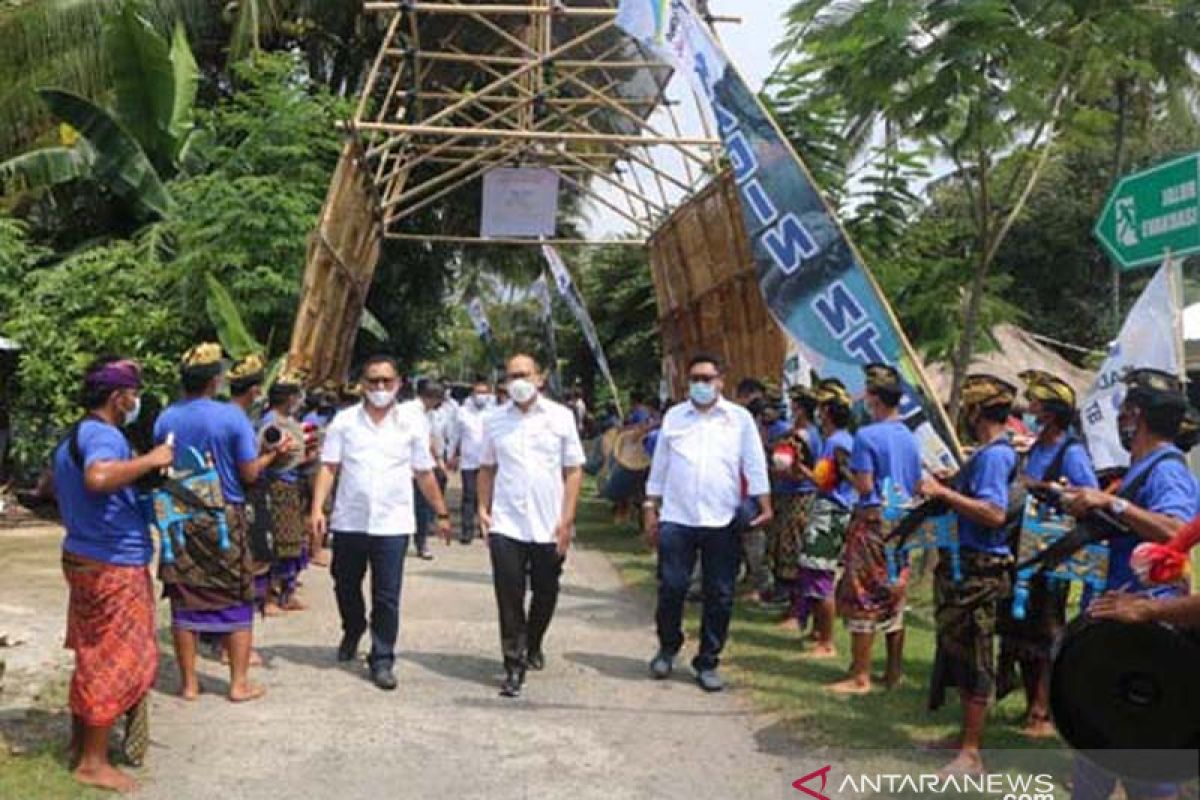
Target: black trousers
[(352, 554), (517, 566)]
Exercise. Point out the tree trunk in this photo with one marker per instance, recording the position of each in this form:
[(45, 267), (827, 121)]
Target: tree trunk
[(966, 345)]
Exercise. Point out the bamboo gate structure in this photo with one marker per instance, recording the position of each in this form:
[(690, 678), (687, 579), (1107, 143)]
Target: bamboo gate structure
[(462, 87)]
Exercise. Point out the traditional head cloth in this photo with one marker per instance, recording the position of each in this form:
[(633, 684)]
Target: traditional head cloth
[(289, 384), (350, 391), (986, 391), (1047, 388), (123, 374), (1153, 388), (831, 391), (804, 397), (203, 360), (884, 377), (247, 373)]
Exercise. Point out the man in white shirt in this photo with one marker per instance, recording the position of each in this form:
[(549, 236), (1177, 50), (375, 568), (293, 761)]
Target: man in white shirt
[(375, 448), (707, 447), (531, 469), (468, 447), (430, 399)]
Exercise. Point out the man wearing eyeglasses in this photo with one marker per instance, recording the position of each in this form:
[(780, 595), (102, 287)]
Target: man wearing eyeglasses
[(375, 448), (530, 473), (707, 447)]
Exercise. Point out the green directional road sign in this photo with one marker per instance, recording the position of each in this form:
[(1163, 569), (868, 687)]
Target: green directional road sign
[(1152, 212)]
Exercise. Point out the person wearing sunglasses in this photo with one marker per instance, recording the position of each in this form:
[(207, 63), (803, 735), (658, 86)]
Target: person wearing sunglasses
[(706, 448), (530, 474)]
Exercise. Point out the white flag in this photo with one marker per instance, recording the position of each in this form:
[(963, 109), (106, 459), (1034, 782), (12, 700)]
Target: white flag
[(479, 319), (541, 290), (1149, 340)]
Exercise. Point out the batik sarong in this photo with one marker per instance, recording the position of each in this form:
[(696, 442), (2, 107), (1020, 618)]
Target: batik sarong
[(1029, 642), (110, 626), (866, 598), (211, 590), (290, 529), (785, 533), (966, 613)]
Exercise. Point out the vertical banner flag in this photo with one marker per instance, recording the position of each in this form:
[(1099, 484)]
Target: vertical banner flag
[(569, 293), (483, 328), (808, 271), (541, 290), (1142, 343)]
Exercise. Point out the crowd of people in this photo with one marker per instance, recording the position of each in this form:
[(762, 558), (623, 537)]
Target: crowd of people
[(797, 495)]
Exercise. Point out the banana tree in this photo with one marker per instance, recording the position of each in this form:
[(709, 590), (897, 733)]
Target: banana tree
[(147, 136)]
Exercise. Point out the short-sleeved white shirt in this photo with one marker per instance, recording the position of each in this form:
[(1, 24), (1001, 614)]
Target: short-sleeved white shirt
[(376, 465), (530, 450)]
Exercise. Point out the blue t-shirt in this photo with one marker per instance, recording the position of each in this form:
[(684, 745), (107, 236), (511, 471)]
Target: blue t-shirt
[(637, 416), (220, 429), (989, 473), (886, 450), (1076, 464), (786, 486), (104, 527), (1171, 490), (843, 494)]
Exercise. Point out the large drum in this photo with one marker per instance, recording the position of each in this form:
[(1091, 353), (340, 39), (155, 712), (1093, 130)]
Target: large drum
[(628, 467), (1127, 695)]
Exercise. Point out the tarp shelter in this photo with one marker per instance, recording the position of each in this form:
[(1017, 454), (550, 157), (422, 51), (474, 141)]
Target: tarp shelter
[(1016, 352)]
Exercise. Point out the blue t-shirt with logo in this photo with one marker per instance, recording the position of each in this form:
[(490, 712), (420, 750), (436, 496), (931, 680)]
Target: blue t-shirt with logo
[(988, 477), (843, 494), (103, 527), (886, 450), (220, 429), (1171, 490), (1076, 464)]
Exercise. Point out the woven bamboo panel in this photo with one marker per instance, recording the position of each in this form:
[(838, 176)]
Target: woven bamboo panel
[(708, 295)]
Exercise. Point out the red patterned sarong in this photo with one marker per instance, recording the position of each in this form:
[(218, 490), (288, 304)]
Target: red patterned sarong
[(110, 626)]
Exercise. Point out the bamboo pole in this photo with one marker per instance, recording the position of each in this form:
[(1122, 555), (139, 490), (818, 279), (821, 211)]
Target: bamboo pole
[(538, 136), (480, 58), (479, 240)]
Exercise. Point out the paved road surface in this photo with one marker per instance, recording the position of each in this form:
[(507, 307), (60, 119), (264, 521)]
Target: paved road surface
[(591, 726)]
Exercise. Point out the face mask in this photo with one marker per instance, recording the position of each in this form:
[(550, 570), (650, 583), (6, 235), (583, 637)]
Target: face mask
[(702, 394), (1127, 434), (132, 414), (756, 406), (380, 398), (480, 400), (1032, 423), (522, 390)]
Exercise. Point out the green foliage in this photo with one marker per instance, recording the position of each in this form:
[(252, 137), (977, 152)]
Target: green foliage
[(231, 330)]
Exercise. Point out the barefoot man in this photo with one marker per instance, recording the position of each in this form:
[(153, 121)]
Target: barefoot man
[(106, 553), (212, 590), (884, 450)]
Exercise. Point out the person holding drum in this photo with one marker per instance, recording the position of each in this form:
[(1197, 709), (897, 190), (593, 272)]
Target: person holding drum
[(1056, 458), (793, 449), (706, 447), (966, 608), (884, 451), (1157, 496)]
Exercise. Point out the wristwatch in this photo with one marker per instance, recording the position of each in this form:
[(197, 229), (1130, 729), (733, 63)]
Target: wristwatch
[(1118, 506)]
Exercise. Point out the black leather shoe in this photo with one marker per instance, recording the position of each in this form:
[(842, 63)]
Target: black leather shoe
[(513, 680), (383, 678), (536, 660), (348, 649)]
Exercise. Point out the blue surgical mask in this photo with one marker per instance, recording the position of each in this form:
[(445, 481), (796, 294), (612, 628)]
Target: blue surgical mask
[(702, 394), (1032, 423)]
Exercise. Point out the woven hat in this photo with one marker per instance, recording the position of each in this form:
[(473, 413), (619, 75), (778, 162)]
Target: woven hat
[(1047, 388), (985, 391)]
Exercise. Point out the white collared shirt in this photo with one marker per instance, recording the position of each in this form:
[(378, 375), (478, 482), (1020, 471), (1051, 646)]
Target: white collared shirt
[(375, 478), (469, 432), (700, 460), (530, 450)]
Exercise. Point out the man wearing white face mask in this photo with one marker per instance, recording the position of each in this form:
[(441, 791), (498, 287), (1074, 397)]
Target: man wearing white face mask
[(707, 447), (377, 447), (468, 447), (531, 469)]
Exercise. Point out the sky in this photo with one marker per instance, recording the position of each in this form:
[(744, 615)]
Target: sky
[(749, 44)]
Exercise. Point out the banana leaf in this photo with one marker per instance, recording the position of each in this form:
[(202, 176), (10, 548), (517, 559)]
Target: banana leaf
[(225, 317), (186, 81), (50, 166), (120, 162), (145, 80), (371, 324)]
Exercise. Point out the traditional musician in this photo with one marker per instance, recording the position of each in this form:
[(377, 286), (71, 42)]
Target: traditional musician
[(792, 450), (885, 450), (212, 590), (246, 378), (966, 609), (1057, 457), (1156, 497), (105, 558), (825, 531), (289, 491)]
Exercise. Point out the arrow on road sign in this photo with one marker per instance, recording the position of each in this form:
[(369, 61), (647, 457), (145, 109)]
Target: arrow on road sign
[(1152, 212)]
